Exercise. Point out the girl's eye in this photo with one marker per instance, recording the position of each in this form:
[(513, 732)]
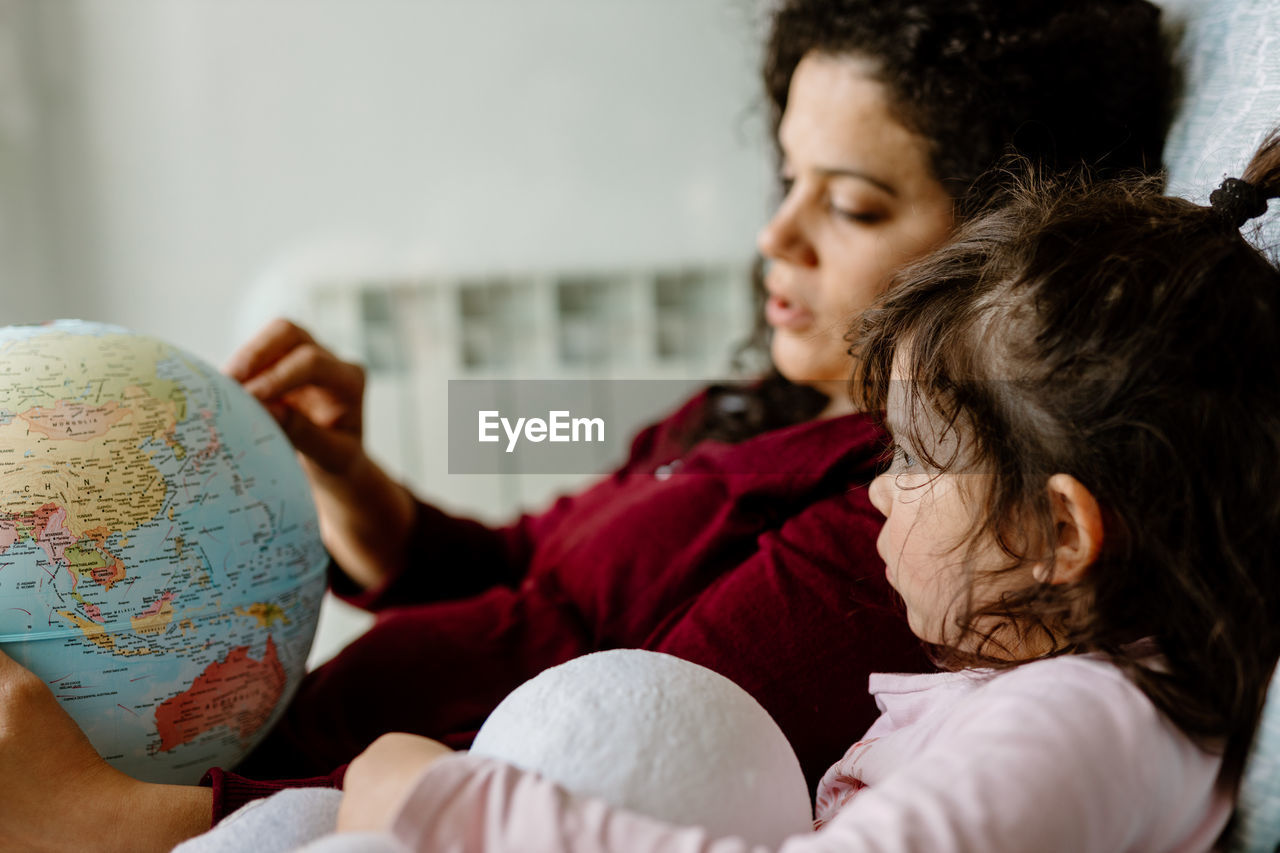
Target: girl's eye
[(903, 457), (786, 182)]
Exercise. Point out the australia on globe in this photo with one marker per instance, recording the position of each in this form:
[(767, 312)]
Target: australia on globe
[(160, 561)]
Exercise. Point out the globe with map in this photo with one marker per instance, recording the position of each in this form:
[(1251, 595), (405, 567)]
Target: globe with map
[(160, 561)]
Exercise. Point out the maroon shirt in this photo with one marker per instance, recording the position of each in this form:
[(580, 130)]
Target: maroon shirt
[(755, 559)]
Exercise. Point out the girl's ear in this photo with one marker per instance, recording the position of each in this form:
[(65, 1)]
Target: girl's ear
[(1077, 525)]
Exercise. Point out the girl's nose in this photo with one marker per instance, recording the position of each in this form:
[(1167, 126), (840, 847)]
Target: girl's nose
[(881, 493), (783, 237)]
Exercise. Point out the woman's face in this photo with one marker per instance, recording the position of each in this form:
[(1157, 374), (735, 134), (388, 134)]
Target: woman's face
[(861, 201)]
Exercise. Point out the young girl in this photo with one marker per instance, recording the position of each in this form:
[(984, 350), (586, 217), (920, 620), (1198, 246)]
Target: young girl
[(1081, 517)]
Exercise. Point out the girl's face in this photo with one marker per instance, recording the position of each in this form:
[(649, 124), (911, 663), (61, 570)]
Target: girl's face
[(926, 538), (861, 202)]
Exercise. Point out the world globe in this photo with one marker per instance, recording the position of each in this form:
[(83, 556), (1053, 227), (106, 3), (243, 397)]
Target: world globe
[(160, 561)]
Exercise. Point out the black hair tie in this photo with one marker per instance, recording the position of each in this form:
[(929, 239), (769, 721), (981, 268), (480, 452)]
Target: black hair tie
[(1237, 201)]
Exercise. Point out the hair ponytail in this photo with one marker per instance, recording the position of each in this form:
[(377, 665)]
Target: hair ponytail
[(1263, 170), (1237, 200)]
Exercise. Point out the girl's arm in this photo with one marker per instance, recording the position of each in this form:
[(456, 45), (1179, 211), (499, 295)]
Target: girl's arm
[(1063, 755), (430, 798)]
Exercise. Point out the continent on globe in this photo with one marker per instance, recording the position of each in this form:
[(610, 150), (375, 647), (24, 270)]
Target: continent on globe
[(237, 692), (160, 557)]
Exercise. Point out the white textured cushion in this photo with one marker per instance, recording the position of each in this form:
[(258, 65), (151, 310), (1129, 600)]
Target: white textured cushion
[(1229, 52)]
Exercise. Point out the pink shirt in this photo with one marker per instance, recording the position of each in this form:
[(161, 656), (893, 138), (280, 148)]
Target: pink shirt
[(1062, 754)]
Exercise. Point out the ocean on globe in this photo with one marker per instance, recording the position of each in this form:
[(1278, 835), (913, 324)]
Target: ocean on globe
[(160, 560)]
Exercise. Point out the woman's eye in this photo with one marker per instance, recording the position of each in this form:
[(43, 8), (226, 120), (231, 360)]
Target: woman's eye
[(862, 217)]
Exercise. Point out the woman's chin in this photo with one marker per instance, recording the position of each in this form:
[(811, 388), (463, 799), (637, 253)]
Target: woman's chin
[(801, 364)]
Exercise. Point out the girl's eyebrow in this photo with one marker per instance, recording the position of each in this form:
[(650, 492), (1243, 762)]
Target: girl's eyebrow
[(837, 172)]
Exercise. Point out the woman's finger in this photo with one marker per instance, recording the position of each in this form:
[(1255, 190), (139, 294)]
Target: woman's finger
[(333, 451), (304, 365), (275, 340)]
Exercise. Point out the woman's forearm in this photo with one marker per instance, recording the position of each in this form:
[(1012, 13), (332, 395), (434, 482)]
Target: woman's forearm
[(365, 520)]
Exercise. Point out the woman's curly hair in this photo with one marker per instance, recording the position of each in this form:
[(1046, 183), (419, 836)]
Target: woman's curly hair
[(1059, 82)]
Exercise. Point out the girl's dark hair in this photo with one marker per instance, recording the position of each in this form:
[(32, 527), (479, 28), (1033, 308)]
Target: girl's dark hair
[(1061, 82), (1132, 341)]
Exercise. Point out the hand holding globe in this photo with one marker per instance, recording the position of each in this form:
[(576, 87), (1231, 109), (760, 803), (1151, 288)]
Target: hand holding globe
[(46, 760)]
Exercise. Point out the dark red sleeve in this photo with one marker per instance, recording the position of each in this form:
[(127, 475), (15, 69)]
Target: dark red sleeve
[(801, 624), (231, 791), (449, 558)]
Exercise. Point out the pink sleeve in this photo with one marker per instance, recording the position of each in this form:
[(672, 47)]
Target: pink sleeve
[(1056, 760), (476, 804)]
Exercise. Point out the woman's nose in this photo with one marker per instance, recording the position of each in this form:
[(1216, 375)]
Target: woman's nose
[(881, 494), (783, 237)]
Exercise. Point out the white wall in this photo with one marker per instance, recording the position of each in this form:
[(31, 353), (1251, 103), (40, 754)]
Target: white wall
[(25, 292), (201, 152)]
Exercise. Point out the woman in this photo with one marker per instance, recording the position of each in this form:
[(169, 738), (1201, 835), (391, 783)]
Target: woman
[(757, 557)]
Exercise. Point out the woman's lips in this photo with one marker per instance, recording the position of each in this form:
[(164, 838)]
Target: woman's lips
[(784, 314)]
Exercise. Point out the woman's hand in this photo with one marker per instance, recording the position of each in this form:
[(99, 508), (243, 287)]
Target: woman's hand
[(56, 793), (317, 398), (381, 777)]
